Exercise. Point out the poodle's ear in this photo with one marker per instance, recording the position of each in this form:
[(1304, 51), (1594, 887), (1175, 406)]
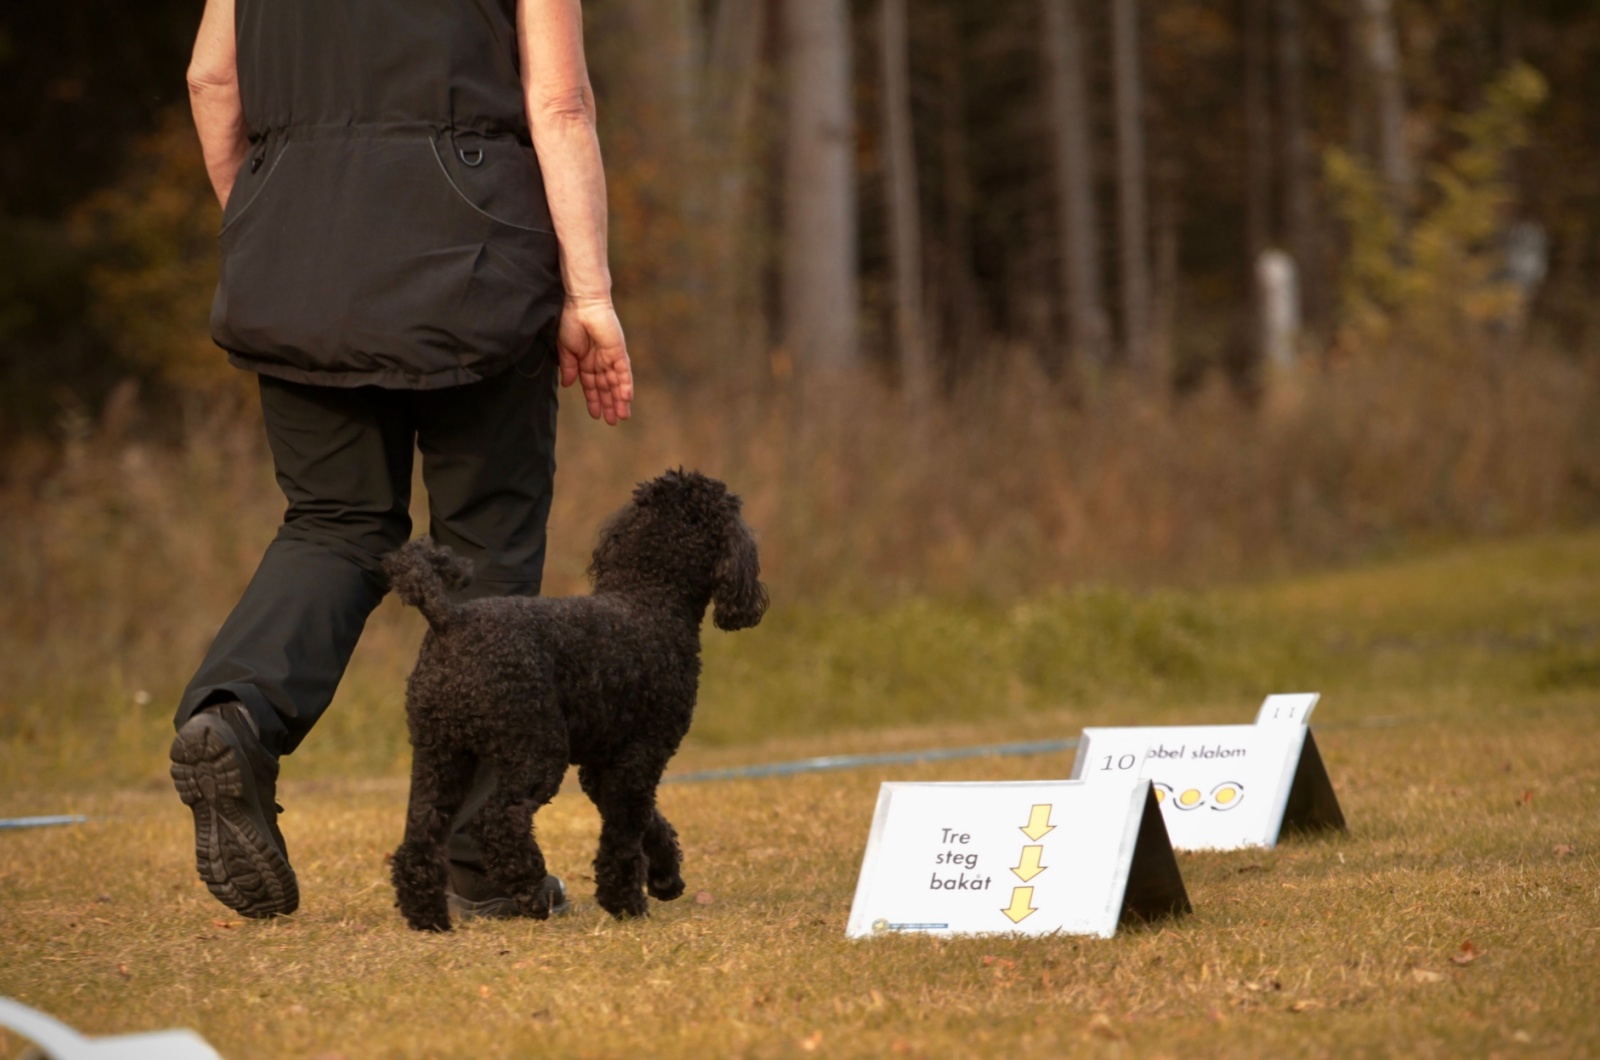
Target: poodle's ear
[(739, 596)]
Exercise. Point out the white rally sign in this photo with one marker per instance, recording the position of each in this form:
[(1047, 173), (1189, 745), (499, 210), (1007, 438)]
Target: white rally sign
[(1223, 786), (1030, 857)]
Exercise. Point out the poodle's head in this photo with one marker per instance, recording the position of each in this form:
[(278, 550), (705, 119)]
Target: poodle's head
[(683, 532)]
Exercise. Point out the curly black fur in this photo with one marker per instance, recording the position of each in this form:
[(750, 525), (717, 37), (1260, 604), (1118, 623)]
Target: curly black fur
[(606, 682)]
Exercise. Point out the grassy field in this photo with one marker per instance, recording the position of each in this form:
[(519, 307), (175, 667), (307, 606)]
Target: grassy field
[(1459, 916)]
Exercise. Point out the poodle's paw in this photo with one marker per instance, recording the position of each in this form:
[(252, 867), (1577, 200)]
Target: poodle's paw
[(535, 905), (666, 888), (428, 919), (625, 906)]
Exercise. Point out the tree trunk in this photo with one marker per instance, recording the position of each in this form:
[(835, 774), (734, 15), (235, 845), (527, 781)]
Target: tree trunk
[(657, 263), (905, 215), (1074, 179), (1258, 171), (1133, 228), (959, 318), (733, 57), (1164, 304), (1382, 50), (1357, 82), (1294, 138), (819, 252), (733, 66)]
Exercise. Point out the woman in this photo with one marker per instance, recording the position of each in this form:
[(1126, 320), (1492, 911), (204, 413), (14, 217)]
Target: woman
[(413, 248)]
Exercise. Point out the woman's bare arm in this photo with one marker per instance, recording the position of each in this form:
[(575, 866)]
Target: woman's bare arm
[(561, 117), (214, 97)]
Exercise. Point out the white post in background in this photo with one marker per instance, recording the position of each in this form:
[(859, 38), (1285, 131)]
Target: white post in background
[(1279, 285)]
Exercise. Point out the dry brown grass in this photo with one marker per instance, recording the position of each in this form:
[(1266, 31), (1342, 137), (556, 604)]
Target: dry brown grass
[(1473, 832), (123, 554), (126, 552), (1474, 821)]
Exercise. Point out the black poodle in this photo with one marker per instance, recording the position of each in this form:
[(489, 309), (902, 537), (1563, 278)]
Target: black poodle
[(606, 682)]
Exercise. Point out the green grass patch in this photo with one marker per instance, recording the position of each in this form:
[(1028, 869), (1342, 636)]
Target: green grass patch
[(1458, 916), (1481, 626)]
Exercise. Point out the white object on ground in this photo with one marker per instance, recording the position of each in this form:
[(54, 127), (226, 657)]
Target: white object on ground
[(1030, 857), (1223, 787), (60, 1042)]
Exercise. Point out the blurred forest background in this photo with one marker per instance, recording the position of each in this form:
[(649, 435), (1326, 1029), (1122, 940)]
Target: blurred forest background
[(967, 296), (1011, 308)]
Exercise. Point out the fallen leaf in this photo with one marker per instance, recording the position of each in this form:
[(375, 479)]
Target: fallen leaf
[(1423, 975), (1527, 797), (541, 1014), (1467, 955), (296, 1010), (702, 898), (226, 925), (1522, 1037), (1307, 1004), (122, 970), (900, 1045), (1100, 1026), (877, 998), (810, 1043), (484, 991), (1562, 850)]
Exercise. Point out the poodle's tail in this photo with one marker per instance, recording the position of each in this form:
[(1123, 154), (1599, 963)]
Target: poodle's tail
[(423, 573)]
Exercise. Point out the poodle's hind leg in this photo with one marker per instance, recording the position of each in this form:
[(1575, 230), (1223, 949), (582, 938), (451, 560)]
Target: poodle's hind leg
[(439, 781), (663, 856), (625, 793), (504, 827), (663, 859)]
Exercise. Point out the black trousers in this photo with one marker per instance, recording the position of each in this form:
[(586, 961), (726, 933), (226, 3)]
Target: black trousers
[(343, 458)]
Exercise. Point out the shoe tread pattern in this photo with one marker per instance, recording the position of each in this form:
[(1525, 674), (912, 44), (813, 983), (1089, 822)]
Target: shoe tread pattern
[(240, 865)]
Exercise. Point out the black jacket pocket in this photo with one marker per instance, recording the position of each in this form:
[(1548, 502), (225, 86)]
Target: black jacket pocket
[(408, 261)]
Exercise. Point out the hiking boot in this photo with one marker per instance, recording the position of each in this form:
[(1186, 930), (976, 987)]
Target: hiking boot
[(229, 780), (470, 894)]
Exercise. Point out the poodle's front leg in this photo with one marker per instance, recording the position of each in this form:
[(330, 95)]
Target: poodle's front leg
[(625, 793)]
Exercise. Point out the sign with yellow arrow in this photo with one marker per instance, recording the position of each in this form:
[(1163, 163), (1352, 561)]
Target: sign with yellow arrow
[(1032, 857), (1222, 787)]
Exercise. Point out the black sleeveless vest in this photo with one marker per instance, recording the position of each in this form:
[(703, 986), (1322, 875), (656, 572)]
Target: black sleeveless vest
[(389, 224)]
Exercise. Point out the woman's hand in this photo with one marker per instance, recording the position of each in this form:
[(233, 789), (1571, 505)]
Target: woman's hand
[(560, 104), (594, 352)]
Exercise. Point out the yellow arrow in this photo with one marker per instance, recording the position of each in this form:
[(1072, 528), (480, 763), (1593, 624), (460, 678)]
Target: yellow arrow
[(1021, 906), (1038, 823), (1030, 866)]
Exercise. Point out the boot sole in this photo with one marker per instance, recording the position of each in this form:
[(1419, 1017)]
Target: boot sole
[(506, 908), (234, 853)]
